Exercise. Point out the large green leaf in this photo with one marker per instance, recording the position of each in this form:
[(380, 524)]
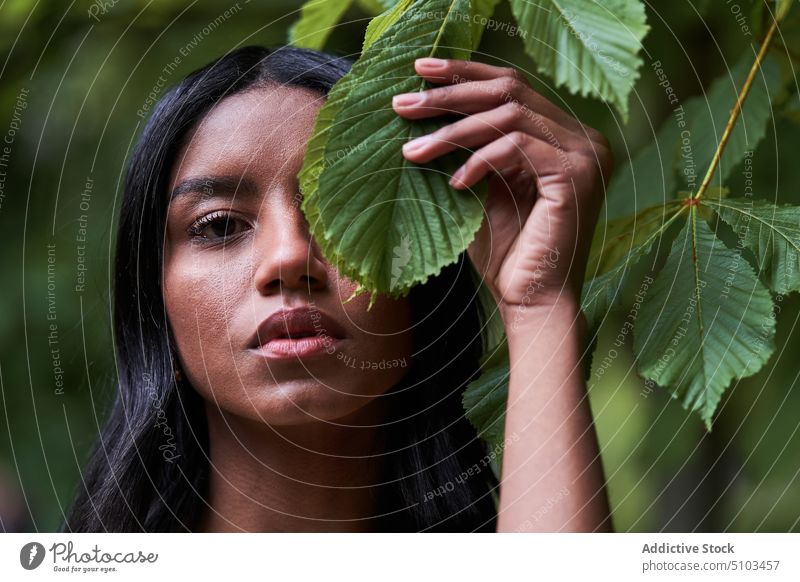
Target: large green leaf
[(591, 46), (381, 220), (705, 321), (772, 233), (315, 161), (317, 20), (707, 117)]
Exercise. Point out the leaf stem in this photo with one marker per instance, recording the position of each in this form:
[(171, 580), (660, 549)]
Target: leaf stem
[(737, 109)]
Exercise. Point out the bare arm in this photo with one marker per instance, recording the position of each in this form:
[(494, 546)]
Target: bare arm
[(552, 475), (546, 172)]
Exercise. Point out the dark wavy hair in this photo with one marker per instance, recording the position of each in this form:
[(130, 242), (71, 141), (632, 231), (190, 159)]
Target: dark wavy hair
[(128, 487)]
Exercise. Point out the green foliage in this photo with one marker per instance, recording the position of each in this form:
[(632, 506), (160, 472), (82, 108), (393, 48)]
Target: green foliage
[(687, 139), (395, 224), (772, 233), (589, 46), (390, 224), (705, 321), (383, 221)]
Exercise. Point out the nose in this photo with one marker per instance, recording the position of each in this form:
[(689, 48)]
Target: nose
[(287, 256)]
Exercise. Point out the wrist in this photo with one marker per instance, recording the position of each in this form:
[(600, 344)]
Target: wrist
[(529, 316)]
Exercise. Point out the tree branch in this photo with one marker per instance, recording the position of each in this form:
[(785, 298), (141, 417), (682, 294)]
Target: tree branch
[(737, 109)]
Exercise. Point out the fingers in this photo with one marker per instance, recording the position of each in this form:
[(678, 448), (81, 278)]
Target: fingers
[(455, 70), (481, 128), (514, 150), (470, 87), (459, 98), (515, 127)]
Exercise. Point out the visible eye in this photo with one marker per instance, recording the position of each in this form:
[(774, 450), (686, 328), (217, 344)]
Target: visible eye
[(218, 226)]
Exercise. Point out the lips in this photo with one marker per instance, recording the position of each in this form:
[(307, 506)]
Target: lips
[(301, 322)]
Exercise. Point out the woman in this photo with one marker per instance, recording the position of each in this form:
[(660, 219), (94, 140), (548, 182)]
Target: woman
[(253, 398)]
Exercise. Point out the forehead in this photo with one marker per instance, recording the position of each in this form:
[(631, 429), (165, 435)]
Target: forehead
[(247, 130)]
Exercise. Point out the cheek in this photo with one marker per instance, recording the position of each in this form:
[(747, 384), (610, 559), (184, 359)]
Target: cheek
[(202, 297)]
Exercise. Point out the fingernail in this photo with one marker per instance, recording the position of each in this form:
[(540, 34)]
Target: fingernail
[(407, 99), (431, 63), (416, 144), (455, 181)]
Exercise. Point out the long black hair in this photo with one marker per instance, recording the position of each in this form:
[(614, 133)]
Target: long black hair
[(129, 485)]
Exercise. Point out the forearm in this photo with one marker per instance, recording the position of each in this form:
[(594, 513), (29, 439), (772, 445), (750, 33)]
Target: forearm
[(552, 477)]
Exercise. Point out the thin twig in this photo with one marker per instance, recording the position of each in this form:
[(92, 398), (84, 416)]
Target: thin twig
[(737, 109)]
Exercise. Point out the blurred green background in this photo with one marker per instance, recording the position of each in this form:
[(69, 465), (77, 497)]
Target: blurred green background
[(70, 89)]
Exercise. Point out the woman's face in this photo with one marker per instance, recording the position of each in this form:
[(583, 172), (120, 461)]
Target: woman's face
[(238, 250)]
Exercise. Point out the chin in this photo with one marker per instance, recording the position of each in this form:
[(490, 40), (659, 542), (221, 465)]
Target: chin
[(303, 401)]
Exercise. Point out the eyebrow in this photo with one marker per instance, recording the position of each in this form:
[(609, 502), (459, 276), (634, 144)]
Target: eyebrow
[(209, 186)]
